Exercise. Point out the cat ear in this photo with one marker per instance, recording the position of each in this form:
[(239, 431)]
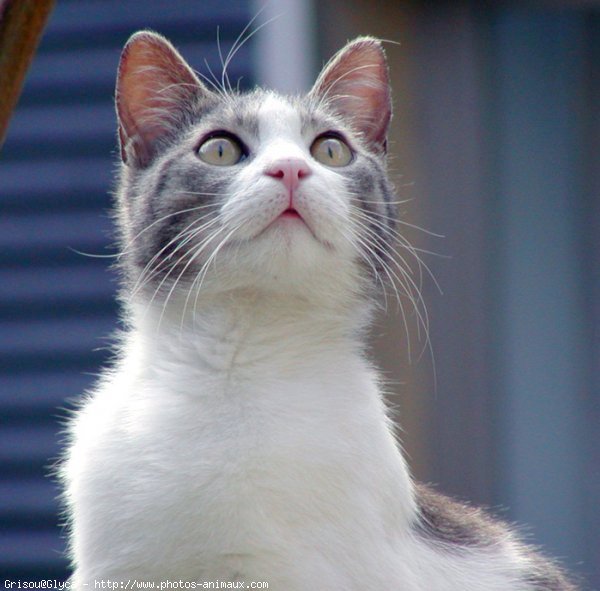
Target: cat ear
[(154, 85), (355, 84)]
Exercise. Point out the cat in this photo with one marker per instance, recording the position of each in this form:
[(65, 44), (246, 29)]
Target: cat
[(241, 434)]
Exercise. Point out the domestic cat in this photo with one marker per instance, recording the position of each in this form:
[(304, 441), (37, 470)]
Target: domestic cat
[(241, 434)]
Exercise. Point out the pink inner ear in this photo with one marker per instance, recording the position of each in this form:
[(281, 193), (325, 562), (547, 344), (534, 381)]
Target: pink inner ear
[(153, 85), (355, 83)]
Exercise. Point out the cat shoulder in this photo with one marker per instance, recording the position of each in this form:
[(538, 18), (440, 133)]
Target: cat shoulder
[(453, 527)]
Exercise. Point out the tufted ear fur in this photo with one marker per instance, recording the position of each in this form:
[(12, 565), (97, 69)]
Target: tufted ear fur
[(355, 84), (154, 87)]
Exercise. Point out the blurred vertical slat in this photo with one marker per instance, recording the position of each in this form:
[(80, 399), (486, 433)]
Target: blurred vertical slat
[(57, 307), (542, 338), (591, 224)]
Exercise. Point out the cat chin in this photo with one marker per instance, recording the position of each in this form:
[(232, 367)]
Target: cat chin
[(293, 240), (278, 263), (291, 251), (302, 268)]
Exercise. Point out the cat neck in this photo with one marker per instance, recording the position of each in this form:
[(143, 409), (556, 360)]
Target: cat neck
[(294, 368), (253, 320)]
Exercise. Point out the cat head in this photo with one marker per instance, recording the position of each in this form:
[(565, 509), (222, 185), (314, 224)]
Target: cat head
[(223, 190)]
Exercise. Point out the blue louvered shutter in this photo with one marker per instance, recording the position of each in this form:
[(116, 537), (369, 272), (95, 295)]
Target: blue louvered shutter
[(57, 307)]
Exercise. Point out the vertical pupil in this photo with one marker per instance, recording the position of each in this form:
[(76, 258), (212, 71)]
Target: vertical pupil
[(330, 151), (220, 150)]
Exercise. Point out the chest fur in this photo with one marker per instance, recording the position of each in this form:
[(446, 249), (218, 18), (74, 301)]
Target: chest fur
[(237, 465)]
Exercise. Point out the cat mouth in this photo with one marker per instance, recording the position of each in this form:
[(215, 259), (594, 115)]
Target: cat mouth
[(290, 217), (291, 213)]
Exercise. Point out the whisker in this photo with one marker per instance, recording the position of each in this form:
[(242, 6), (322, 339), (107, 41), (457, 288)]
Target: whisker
[(165, 217), (410, 288), (351, 237), (240, 40), (403, 243), (224, 78), (203, 271), (92, 255), (384, 266), (181, 234), (188, 234), (396, 220), (193, 253)]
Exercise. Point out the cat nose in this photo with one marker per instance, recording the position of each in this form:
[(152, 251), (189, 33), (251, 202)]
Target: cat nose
[(289, 171)]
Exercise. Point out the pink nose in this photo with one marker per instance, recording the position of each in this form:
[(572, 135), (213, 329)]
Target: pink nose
[(289, 171)]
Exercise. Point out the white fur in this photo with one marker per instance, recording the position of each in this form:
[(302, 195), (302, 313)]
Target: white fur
[(246, 438)]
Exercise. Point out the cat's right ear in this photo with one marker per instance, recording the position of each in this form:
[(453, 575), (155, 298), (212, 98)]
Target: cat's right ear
[(154, 87), (355, 84)]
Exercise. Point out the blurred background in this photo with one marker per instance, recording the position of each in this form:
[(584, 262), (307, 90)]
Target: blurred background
[(494, 142)]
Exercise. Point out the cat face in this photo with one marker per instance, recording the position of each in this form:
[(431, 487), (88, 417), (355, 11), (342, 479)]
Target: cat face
[(221, 191)]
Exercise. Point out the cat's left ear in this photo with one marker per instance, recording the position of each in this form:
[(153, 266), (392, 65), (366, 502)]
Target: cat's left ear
[(355, 84), (155, 87)]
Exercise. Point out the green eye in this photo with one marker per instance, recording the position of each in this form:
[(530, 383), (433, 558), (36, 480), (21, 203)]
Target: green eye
[(331, 151), (221, 151)]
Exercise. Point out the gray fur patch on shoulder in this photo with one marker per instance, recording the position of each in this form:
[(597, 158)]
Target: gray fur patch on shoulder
[(459, 527), (455, 524), (544, 575)]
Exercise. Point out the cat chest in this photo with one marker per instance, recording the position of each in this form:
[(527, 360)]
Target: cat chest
[(237, 446), (238, 482)]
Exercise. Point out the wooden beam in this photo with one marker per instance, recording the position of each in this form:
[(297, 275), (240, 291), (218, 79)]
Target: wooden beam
[(21, 26)]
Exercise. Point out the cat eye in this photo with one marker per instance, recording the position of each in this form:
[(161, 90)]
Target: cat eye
[(221, 150), (331, 151)]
